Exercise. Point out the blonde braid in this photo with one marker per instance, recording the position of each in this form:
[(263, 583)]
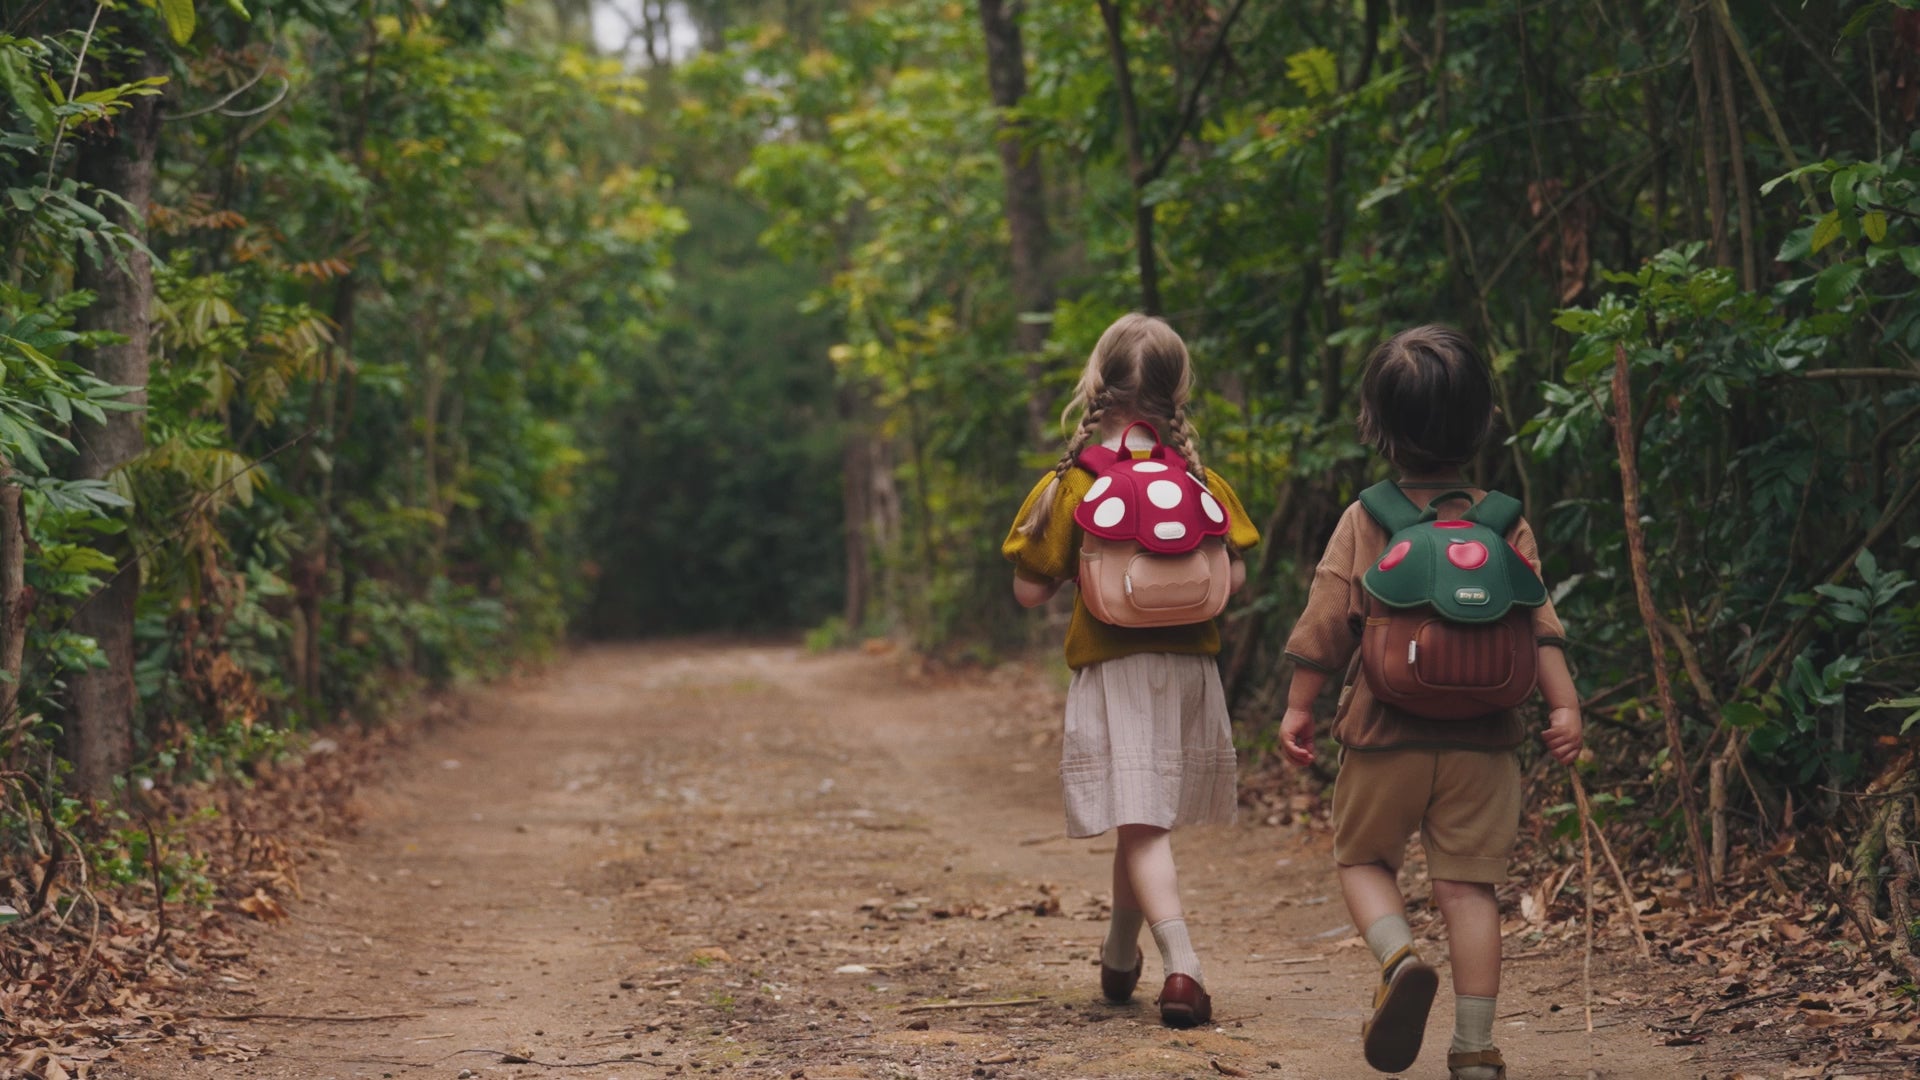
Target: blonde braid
[(1184, 439), (1042, 513)]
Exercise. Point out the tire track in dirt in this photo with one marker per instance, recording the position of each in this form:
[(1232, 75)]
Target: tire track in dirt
[(706, 858)]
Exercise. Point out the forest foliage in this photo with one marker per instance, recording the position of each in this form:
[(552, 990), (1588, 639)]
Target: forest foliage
[(462, 328)]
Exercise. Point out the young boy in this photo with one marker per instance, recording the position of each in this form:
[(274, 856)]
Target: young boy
[(1427, 407)]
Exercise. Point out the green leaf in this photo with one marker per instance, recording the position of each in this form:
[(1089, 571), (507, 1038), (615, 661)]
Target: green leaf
[(180, 19), (1835, 282), (1798, 245), (1313, 71), (1842, 189), (1874, 224), (1826, 231), (1818, 166), (1743, 714), (16, 74)]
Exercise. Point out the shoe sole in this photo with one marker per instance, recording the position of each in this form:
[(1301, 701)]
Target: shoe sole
[(1393, 1039), (1182, 1016)]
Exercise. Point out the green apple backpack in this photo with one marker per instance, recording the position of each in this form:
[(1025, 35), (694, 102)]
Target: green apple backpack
[(1449, 628)]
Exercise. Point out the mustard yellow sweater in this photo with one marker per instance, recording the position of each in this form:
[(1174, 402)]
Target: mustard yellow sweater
[(1055, 556)]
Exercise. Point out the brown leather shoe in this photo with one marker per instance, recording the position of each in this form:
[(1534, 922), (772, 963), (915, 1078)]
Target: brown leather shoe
[(1482, 1059), (1183, 1003), (1391, 1039), (1118, 985)]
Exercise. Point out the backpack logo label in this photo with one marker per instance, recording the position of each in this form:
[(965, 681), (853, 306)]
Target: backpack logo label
[(1470, 594)]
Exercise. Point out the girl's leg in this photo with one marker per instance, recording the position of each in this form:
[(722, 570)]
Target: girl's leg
[(1473, 930), (1123, 931), (1147, 854)]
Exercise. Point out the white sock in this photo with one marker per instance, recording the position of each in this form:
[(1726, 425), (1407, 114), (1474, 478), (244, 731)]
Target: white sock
[(1176, 949), (1388, 935), (1473, 1030), (1123, 940)]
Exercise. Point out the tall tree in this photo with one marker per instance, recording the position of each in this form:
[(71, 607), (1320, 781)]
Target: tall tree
[(1030, 238), (119, 162)]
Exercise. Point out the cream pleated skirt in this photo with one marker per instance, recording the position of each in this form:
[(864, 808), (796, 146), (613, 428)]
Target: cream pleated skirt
[(1147, 743)]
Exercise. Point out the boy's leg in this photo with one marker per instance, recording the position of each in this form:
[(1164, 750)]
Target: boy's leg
[(1473, 935), (1469, 834), (1473, 932), (1374, 901), (1378, 800)]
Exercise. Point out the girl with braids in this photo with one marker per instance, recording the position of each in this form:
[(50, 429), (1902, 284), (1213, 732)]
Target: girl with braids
[(1147, 745)]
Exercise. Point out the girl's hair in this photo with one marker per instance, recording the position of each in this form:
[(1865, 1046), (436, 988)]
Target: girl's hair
[(1139, 369), (1426, 400)]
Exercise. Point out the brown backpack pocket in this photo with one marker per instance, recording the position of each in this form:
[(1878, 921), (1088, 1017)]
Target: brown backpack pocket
[(1424, 665)]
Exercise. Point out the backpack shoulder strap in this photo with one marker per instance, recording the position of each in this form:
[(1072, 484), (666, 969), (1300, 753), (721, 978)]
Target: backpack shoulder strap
[(1097, 459), (1385, 503), (1498, 511)]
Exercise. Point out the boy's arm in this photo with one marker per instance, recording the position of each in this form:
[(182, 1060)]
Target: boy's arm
[(1564, 726), (1322, 641), (1296, 727)]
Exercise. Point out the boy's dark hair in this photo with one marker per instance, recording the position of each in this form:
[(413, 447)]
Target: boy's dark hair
[(1426, 400)]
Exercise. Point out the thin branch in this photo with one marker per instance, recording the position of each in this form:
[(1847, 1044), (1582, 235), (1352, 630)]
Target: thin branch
[(1625, 440), (286, 87), (1589, 825), (1190, 110), (251, 82), (73, 87), (1766, 100), (945, 1006)]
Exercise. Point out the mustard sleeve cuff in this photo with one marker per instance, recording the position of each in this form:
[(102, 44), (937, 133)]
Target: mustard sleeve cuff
[(1033, 576)]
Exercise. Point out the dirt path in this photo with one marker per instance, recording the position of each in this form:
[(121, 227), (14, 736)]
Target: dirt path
[(743, 859)]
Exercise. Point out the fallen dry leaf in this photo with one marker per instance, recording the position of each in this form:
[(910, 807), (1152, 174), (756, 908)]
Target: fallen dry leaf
[(263, 907)]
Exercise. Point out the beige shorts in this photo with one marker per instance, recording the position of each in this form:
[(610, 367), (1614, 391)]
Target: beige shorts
[(1465, 803)]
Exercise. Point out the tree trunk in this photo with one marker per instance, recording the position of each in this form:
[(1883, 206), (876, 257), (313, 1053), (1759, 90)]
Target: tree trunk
[(99, 728), (1333, 227), (1031, 240), (1737, 155), (1709, 139), (15, 605), (1625, 440), (856, 478), (1115, 22)]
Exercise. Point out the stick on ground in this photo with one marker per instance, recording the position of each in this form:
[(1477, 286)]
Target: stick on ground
[(948, 1005), (1619, 878)]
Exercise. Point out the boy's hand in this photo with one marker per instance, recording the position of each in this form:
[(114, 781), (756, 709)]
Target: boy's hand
[(1563, 734), (1296, 736)]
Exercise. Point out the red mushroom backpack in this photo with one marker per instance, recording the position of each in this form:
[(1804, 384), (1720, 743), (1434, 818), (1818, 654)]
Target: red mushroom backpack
[(1154, 551), (1449, 630)]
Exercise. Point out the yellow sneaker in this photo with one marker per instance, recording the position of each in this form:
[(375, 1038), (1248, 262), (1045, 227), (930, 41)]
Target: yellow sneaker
[(1400, 1005)]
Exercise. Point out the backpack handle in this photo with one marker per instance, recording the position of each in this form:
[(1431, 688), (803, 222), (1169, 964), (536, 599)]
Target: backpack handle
[(1432, 512), (1151, 430)]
